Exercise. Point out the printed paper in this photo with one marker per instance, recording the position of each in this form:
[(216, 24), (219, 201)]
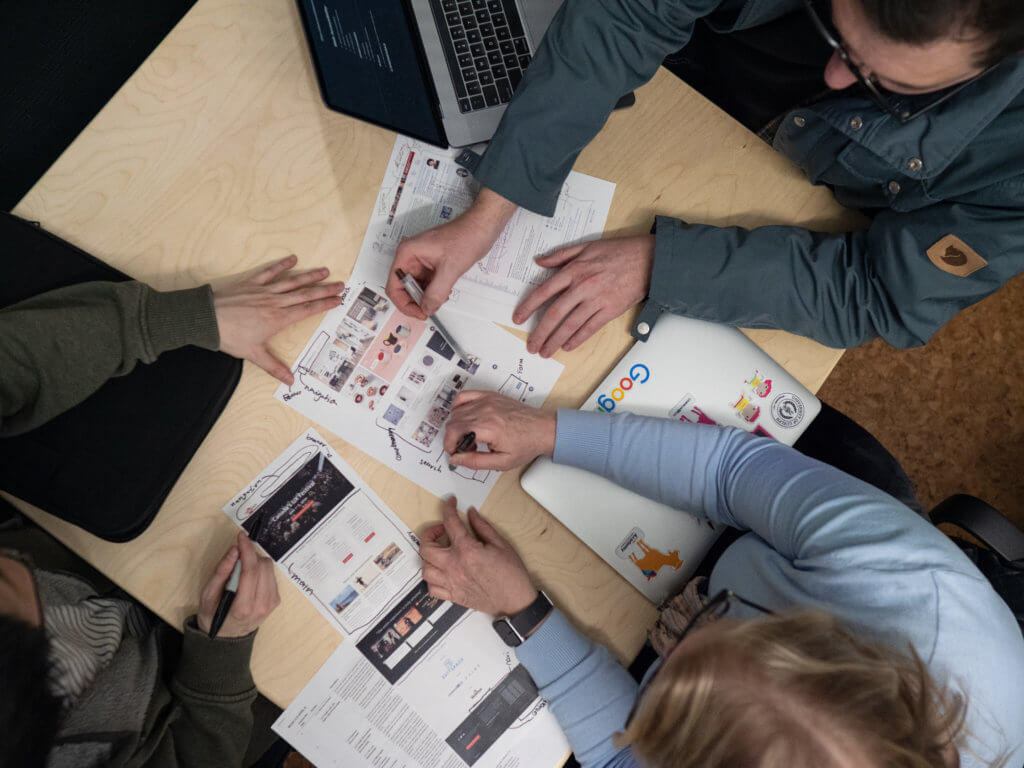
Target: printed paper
[(386, 383), (418, 681), (424, 187)]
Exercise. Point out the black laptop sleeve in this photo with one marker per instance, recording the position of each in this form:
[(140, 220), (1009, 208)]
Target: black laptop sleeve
[(108, 463)]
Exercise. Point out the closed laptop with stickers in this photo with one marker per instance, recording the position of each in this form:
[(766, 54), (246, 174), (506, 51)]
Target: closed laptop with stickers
[(688, 370)]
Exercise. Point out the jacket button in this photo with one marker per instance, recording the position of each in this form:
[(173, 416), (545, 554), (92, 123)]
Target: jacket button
[(894, 187), (799, 121), (856, 123), (915, 164), (643, 328)]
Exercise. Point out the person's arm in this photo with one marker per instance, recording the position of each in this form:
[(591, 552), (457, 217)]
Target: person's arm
[(590, 693), (58, 348), (841, 290), (212, 692), (594, 52), (471, 564), (802, 508), (205, 717)]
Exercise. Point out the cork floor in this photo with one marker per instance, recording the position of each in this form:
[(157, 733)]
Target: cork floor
[(952, 411)]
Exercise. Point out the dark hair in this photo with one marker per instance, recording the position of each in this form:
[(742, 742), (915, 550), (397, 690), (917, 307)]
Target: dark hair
[(29, 711), (1000, 23)]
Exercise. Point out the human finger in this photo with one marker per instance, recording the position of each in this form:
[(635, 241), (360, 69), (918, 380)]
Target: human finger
[(441, 593), (267, 590), (485, 428), (434, 576), (461, 422), (219, 578), (264, 276), (252, 611), (561, 256), (435, 554), (262, 357), (250, 565), (589, 328), (469, 395), (454, 431), (554, 285), (438, 290), (304, 294), (453, 525), (484, 530), (482, 460), (301, 311), (568, 327), (288, 283), (557, 312), (432, 534), (403, 301)]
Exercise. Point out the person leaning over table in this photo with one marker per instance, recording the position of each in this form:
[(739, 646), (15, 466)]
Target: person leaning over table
[(89, 677), (853, 632), (921, 130)]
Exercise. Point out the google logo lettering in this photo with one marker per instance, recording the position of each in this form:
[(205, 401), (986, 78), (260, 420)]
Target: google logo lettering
[(639, 373)]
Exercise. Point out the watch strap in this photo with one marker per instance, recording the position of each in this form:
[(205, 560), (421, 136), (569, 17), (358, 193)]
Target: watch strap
[(514, 629)]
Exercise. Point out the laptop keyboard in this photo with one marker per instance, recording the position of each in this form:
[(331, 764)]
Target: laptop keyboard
[(486, 49)]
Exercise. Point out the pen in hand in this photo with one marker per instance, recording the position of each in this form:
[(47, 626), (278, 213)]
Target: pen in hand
[(464, 444), (415, 292), (226, 599)]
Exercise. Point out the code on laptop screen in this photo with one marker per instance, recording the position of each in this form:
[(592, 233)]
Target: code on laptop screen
[(368, 65)]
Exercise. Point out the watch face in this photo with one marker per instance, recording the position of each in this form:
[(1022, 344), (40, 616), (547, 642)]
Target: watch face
[(506, 633)]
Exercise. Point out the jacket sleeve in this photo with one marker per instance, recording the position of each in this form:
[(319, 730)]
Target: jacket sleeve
[(205, 718), (594, 52), (58, 348), (589, 693), (841, 290), (807, 511)]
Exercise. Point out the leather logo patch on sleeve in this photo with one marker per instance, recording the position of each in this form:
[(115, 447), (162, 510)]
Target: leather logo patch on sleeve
[(953, 255)]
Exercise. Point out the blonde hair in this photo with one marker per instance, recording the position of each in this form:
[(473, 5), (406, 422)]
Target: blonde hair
[(794, 691)]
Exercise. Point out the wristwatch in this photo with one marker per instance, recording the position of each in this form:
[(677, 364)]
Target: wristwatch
[(514, 629)]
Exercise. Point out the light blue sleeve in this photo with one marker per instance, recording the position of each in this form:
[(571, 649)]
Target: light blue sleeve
[(589, 693), (821, 538), (801, 507)]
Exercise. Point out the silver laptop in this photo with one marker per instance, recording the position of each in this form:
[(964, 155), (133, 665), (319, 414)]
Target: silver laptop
[(687, 370), (438, 70)]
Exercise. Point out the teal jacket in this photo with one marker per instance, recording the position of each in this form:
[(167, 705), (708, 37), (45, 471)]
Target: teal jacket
[(956, 171)]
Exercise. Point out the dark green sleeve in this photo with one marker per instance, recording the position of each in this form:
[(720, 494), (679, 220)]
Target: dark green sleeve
[(58, 348), (205, 716), (841, 290), (594, 52)]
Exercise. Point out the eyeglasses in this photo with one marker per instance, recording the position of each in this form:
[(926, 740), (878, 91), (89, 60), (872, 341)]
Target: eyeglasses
[(823, 22), (714, 609)]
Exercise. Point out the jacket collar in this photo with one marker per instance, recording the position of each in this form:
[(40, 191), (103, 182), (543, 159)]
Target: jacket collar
[(935, 138)]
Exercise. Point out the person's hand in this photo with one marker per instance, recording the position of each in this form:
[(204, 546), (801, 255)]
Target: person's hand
[(514, 433), (438, 257), (257, 591), (595, 283), (250, 311), (474, 566)]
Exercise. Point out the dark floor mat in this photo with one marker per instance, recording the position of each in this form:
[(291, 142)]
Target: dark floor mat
[(949, 411), (63, 60)]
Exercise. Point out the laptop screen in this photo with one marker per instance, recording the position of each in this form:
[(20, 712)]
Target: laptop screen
[(368, 64)]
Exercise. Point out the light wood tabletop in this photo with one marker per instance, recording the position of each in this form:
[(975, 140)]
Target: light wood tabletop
[(218, 156)]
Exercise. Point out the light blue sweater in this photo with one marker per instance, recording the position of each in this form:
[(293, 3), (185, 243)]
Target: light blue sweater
[(818, 538)]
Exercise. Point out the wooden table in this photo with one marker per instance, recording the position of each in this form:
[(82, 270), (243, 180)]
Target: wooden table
[(218, 156)]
